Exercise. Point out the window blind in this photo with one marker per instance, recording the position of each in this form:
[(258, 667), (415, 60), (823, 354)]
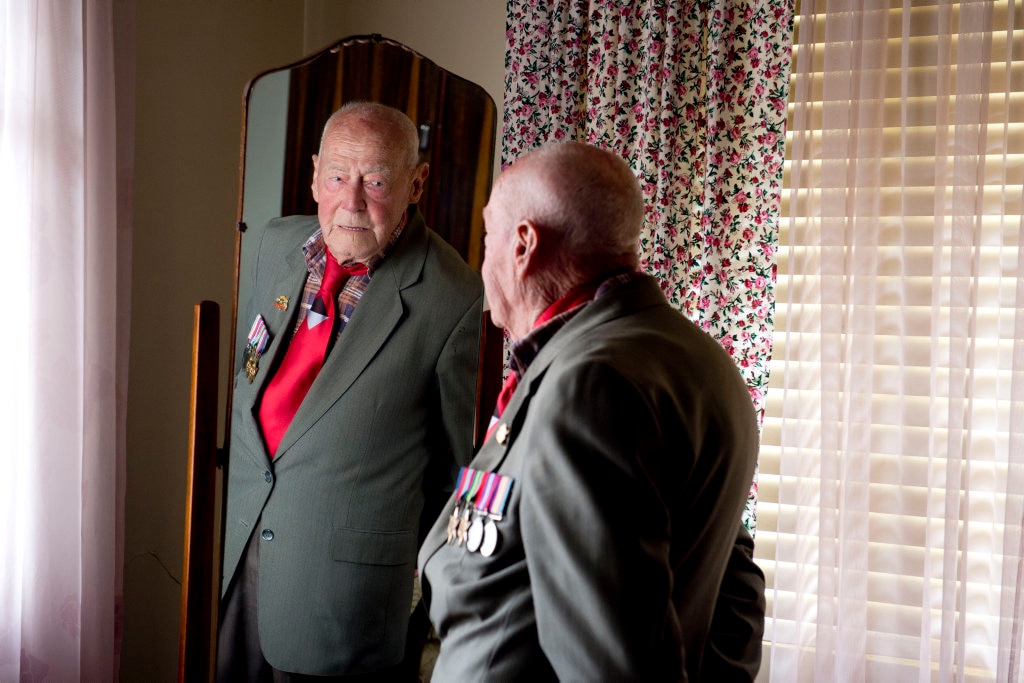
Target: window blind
[(891, 468)]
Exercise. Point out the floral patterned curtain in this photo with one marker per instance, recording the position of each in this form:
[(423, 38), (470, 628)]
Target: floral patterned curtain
[(692, 94)]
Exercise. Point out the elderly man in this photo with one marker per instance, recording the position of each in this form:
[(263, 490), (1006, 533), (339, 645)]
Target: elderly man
[(589, 538), (357, 386)]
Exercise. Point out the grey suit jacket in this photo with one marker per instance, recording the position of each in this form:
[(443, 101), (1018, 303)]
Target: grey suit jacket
[(337, 513), (632, 441)]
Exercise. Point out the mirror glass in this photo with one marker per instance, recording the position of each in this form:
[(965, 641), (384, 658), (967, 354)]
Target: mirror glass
[(285, 111)]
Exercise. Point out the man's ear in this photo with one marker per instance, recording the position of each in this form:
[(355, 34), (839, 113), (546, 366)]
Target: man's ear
[(527, 246), (316, 168), (419, 181)]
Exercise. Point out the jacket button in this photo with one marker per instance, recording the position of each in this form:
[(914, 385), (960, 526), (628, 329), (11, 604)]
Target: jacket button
[(268, 476), (267, 535)]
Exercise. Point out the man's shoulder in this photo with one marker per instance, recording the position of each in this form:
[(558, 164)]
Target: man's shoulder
[(285, 234), (287, 229), (443, 266), (635, 320), (447, 259)]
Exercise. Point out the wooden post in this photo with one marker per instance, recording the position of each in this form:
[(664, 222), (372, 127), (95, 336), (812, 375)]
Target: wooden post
[(198, 628)]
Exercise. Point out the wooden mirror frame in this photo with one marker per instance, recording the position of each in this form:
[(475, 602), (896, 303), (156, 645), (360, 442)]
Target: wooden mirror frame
[(457, 121)]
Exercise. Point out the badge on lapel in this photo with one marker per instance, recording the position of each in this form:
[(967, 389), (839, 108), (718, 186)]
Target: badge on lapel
[(501, 434)]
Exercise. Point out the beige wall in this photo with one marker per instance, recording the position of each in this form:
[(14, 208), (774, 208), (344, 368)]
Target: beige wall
[(193, 59)]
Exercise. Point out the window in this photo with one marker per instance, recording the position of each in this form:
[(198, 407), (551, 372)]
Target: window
[(892, 463)]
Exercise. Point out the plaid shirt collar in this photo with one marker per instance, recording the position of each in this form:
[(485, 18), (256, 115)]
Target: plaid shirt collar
[(315, 251), (525, 350)]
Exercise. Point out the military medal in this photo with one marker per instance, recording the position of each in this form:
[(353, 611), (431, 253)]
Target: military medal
[(252, 363), (258, 339), (453, 520), (490, 541), (453, 523), (462, 535), (495, 510), (480, 499), (458, 523), (463, 529), (475, 535)]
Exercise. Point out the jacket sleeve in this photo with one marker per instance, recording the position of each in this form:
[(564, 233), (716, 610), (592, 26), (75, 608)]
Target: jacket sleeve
[(457, 381), (733, 648), (624, 529), (595, 533)]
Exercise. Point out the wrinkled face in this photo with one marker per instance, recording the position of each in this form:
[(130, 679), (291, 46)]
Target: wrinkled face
[(498, 270), (362, 184)]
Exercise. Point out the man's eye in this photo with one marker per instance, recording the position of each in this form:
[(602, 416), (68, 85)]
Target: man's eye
[(375, 183)]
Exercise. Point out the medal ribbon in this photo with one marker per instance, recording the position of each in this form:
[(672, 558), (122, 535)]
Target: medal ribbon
[(496, 506), (469, 483), (483, 499), (258, 335), (478, 477), (461, 487), (489, 489)]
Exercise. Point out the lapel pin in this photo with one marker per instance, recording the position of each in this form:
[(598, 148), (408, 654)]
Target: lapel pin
[(281, 302), (502, 434)]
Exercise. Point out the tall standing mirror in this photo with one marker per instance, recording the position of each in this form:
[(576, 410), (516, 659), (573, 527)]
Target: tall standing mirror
[(284, 111), (286, 108)]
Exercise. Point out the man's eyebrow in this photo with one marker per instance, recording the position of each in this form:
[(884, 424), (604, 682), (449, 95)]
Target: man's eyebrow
[(380, 168)]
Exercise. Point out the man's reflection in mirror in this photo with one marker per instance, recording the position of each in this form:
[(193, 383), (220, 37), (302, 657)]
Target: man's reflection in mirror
[(353, 398)]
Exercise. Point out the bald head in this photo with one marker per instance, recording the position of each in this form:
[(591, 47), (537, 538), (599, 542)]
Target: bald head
[(561, 215), (587, 196), (390, 122)]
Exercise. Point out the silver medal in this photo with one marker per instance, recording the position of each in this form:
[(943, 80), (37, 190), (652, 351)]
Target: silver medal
[(490, 540), (475, 535)]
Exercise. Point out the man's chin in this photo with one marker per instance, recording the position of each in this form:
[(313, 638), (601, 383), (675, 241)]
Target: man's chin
[(347, 250)]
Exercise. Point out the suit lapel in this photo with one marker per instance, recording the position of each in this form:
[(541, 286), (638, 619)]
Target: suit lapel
[(288, 281), (492, 455), (379, 312)]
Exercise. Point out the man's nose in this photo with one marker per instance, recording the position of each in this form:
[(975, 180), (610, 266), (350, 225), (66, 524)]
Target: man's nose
[(352, 197)]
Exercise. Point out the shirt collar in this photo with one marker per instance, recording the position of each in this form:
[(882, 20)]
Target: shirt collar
[(525, 350), (315, 250)]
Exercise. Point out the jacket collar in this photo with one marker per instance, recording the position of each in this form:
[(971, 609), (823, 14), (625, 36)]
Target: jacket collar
[(641, 293)]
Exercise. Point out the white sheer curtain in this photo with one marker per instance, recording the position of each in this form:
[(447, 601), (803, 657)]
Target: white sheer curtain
[(64, 150), (892, 472)]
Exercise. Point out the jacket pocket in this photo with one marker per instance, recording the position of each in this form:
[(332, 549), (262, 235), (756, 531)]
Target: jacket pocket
[(387, 548)]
